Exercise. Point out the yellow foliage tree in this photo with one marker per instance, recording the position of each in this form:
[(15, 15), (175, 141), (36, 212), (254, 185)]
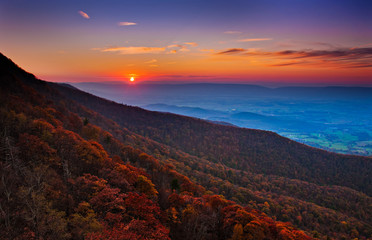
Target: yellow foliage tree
[(144, 185)]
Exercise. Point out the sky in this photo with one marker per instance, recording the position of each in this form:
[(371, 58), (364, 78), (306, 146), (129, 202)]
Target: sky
[(294, 42)]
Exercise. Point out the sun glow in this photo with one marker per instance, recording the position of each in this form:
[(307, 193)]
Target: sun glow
[(131, 79)]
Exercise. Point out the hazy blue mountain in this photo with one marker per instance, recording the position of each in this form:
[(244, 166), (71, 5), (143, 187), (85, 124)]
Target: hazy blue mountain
[(245, 119), (333, 118), (189, 111)]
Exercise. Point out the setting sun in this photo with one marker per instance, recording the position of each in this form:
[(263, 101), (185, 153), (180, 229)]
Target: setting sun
[(132, 79)]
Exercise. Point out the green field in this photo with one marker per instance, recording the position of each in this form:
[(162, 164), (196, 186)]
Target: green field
[(335, 141)]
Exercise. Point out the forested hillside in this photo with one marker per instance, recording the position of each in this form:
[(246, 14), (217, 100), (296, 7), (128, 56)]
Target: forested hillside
[(76, 166), (246, 149), (288, 180)]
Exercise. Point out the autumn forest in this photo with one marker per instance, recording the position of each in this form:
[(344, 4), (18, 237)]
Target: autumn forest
[(76, 166)]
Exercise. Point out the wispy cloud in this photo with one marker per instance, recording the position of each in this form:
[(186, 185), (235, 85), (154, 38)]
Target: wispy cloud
[(254, 39), (83, 14), (174, 48), (134, 50), (232, 51), (207, 50), (127, 23), (232, 32), (362, 46), (359, 65), (346, 53), (342, 57), (284, 64), (152, 61), (181, 48), (194, 44), (308, 44)]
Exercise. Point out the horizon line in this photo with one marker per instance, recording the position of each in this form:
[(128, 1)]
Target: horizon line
[(261, 84)]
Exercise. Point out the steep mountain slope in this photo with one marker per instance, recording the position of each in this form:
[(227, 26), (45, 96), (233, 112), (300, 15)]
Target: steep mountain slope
[(62, 177), (322, 210), (246, 149), (229, 161)]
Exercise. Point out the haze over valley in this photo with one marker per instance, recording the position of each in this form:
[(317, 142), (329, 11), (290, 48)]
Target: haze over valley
[(332, 118)]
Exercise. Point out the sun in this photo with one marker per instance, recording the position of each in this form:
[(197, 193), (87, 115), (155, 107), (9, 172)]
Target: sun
[(131, 79)]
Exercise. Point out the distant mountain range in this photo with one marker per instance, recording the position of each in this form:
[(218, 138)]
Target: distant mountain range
[(332, 118), (253, 120), (126, 91)]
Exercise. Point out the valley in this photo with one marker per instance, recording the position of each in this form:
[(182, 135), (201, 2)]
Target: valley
[(336, 119)]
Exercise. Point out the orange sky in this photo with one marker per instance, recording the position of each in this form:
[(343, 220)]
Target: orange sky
[(315, 43)]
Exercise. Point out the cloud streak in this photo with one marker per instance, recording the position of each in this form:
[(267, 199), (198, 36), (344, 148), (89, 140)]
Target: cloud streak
[(83, 14), (152, 61), (193, 44), (134, 50), (181, 48), (287, 64), (254, 39), (232, 51), (127, 23), (175, 48), (343, 57), (347, 53), (232, 32)]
